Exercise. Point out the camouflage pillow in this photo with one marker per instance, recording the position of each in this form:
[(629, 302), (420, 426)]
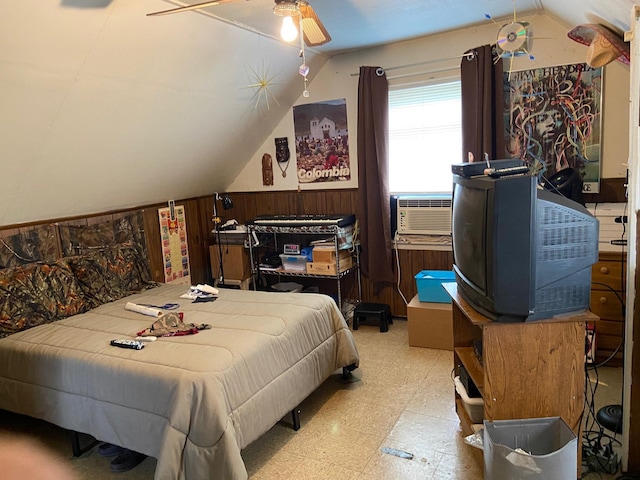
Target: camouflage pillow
[(110, 274), (37, 293)]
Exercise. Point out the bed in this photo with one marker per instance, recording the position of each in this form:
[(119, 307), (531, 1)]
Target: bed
[(193, 402)]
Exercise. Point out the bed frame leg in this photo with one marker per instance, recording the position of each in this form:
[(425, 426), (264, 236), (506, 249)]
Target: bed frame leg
[(295, 418), (346, 371), (75, 444)]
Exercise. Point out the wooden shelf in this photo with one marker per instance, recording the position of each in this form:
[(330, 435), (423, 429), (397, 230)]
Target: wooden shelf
[(468, 358), (528, 370)]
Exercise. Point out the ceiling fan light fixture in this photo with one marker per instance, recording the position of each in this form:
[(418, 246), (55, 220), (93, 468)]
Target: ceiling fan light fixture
[(288, 31), (285, 9)]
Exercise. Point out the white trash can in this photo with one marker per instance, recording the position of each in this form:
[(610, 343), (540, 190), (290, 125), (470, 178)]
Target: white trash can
[(534, 448)]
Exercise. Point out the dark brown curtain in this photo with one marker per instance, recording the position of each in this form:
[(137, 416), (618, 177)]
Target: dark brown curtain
[(373, 181), (482, 104)]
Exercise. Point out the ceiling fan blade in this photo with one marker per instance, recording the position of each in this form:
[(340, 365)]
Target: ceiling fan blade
[(314, 32), (189, 7)]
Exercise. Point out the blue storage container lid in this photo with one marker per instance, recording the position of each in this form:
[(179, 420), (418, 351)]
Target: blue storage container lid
[(429, 284), (436, 275)]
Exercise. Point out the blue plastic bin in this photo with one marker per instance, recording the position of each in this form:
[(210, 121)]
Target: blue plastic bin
[(429, 283)]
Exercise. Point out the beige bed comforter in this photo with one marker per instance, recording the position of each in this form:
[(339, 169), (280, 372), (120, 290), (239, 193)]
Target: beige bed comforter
[(193, 402)]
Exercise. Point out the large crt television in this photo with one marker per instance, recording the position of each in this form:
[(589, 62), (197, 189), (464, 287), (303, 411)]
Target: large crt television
[(520, 252)]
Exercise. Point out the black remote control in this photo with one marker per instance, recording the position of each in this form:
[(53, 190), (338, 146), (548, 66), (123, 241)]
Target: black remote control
[(124, 343), (503, 172)]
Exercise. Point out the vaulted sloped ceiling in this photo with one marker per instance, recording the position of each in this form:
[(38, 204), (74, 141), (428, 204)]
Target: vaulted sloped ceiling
[(103, 107)]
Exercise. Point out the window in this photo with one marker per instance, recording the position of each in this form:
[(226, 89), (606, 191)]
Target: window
[(425, 137)]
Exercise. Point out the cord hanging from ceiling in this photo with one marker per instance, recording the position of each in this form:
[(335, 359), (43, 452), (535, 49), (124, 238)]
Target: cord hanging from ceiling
[(304, 68)]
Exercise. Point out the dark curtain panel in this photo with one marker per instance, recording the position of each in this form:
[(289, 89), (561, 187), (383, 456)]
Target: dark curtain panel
[(482, 105), (373, 181)]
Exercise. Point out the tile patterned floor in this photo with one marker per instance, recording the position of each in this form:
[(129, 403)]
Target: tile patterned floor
[(403, 400)]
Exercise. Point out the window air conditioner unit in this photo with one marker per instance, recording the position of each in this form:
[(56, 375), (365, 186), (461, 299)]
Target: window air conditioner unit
[(428, 214)]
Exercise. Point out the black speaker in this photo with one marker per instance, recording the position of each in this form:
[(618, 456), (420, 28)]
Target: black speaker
[(393, 210), (567, 182)]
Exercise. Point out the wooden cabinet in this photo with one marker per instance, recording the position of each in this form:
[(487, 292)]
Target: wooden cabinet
[(235, 263), (528, 369), (608, 284)]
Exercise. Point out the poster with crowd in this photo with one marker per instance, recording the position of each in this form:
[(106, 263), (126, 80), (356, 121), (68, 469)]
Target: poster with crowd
[(553, 116), (322, 142)]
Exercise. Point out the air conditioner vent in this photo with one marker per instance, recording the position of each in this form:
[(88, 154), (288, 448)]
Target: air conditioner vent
[(424, 202), (424, 214)]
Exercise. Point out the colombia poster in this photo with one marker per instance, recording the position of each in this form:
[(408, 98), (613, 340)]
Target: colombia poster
[(322, 142)]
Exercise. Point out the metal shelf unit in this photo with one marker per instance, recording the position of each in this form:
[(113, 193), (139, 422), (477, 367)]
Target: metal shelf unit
[(317, 230)]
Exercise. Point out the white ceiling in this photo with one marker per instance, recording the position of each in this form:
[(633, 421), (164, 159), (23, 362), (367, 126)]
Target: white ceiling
[(103, 107), (358, 24)]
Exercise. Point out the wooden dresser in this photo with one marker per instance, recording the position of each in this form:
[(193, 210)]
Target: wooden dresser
[(608, 284)]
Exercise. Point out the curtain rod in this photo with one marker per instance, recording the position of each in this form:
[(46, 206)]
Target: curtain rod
[(380, 70)]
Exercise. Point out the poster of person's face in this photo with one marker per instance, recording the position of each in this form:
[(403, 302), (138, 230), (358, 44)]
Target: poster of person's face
[(322, 142), (553, 117)]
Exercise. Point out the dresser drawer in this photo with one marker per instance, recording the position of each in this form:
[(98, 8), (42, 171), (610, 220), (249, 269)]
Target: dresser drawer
[(608, 273), (605, 304)]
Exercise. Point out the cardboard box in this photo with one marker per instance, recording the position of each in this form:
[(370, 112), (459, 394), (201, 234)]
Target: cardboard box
[(328, 254), (430, 325), (329, 268)]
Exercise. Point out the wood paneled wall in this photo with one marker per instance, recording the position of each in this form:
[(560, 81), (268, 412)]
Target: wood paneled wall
[(248, 205)]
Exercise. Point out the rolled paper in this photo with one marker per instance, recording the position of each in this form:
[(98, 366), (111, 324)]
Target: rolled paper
[(152, 312), (203, 287)]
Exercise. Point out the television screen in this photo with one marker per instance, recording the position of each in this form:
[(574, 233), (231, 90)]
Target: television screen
[(470, 248), (520, 252)]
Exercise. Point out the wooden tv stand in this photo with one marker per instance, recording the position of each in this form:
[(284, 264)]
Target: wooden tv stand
[(528, 370)]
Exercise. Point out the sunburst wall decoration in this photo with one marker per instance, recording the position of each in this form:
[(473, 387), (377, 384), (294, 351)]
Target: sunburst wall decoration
[(261, 83)]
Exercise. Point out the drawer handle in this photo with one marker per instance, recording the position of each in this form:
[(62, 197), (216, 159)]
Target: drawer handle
[(604, 270), (603, 300)]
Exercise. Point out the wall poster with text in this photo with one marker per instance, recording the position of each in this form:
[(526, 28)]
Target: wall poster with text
[(175, 253), (322, 142), (553, 115)]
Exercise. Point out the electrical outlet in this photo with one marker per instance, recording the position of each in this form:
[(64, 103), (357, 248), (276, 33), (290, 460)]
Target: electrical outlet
[(590, 344)]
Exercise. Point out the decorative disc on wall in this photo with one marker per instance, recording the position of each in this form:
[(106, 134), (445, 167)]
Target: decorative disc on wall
[(514, 39)]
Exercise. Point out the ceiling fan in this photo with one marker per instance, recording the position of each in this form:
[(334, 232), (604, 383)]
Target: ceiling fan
[(292, 11)]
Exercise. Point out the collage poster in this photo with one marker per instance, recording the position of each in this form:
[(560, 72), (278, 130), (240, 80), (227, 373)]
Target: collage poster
[(553, 116), (175, 253), (322, 142)]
